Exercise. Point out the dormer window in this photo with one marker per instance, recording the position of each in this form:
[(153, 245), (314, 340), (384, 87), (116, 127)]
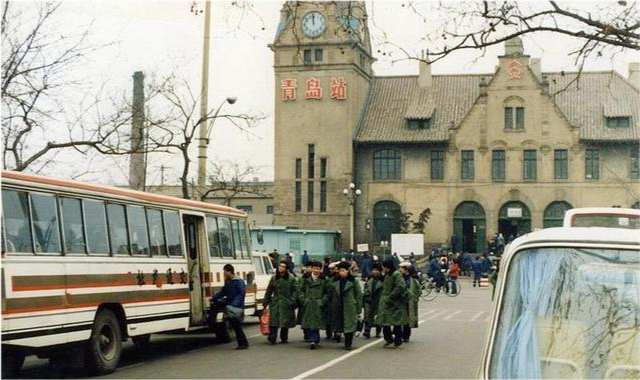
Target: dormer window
[(419, 123), (618, 122), (514, 113)]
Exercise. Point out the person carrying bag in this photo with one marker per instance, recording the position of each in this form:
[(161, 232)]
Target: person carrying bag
[(231, 300)]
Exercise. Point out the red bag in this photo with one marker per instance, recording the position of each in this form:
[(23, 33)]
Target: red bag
[(265, 320)]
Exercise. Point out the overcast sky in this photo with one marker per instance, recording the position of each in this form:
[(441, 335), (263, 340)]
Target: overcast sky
[(157, 36)]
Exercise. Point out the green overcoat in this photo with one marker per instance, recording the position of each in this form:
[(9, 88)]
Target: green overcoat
[(392, 310), (313, 301), (413, 297), (372, 299), (281, 297), (302, 283), (345, 307)]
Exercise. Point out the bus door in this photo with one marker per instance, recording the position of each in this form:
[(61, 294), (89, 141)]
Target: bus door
[(194, 235)]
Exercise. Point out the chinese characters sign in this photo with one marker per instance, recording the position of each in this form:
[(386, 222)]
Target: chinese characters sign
[(313, 89)]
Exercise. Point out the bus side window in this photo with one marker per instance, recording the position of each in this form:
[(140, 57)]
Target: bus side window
[(156, 233), (214, 236), (237, 240), (118, 229), (15, 208), (244, 239), (257, 263), (226, 244), (45, 223), (72, 226), (267, 265), (138, 230), (172, 227), (95, 220)]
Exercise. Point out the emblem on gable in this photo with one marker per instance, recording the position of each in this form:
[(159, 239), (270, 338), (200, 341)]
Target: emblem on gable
[(514, 69)]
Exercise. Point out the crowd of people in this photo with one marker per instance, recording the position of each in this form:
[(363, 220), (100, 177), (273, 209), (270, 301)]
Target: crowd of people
[(327, 297)]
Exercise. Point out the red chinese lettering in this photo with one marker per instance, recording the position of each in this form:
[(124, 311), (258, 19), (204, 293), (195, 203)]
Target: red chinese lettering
[(288, 88), (314, 91), (338, 88)]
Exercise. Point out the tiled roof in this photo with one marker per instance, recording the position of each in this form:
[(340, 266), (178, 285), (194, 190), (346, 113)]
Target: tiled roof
[(593, 97), (393, 99), (585, 103)]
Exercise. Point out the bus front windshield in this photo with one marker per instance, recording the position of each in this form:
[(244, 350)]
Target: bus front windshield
[(569, 313)]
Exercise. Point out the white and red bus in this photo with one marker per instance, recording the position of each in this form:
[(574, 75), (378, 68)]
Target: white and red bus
[(87, 267)]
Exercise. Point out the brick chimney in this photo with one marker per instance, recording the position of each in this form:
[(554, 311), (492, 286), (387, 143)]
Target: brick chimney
[(634, 74), (137, 164), (424, 79)]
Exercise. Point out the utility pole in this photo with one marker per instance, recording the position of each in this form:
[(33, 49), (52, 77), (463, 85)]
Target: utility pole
[(204, 99)]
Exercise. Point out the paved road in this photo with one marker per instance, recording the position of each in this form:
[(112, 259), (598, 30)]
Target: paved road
[(448, 344)]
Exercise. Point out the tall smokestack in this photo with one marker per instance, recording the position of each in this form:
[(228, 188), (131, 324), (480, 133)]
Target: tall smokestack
[(137, 159)]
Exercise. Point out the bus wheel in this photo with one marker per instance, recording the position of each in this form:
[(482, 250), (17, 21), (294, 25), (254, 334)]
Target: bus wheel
[(12, 360), (105, 344), (141, 342)]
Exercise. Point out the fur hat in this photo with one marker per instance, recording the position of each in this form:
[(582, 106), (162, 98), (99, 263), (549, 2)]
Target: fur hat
[(377, 266), (314, 264), (344, 265), (389, 263)]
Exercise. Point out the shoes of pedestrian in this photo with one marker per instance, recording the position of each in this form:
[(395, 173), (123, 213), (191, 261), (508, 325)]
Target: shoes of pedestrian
[(284, 341), (388, 345), (242, 347), (366, 335), (313, 346), (272, 341)]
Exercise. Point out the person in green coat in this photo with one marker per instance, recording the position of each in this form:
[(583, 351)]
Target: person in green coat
[(346, 304), (391, 312), (313, 297), (413, 297), (371, 300), (302, 283), (281, 297)]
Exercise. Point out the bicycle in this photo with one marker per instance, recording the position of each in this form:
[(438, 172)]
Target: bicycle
[(430, 289)]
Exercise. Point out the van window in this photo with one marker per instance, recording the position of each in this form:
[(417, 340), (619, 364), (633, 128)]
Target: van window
[(172, 227), (15, 209), (45, 223), (226, 244), (72, 226), (257, 263), (156, 233), (138, 230), (267, 265), (118, 229), (569, 313), (95, 219)]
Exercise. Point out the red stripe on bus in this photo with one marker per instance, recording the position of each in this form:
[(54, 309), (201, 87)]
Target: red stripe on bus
[(90, 304)]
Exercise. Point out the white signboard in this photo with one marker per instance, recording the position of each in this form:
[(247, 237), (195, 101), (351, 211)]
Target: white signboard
[(404, 244), (514, 212), (362, 247)]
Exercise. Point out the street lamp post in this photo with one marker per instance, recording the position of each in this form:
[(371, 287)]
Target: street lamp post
[(205, 137), (351, 193)]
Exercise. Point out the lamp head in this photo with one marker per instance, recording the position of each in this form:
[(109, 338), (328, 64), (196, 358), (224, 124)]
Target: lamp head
[(352, 186), (358, 192), (345, 191), (231, 99)]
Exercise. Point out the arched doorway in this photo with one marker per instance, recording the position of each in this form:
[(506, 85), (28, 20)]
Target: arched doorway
[(514, 220), (554, 214), (386, 219), (469, 227)]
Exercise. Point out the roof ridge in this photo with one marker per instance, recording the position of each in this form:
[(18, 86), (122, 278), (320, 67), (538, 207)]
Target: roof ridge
[(433, 75)]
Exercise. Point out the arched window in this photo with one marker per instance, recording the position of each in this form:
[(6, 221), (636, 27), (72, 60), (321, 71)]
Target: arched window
[(554, 214), (386, 219), (387, 164), (514, 113)]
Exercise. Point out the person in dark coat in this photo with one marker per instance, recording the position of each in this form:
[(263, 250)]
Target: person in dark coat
[(346, 304), (302, 283), (413, 297), (367, 262), (305, 258), (291, 266), (332, 273), (313, 297), (281, 297), (477, 271), (325, 267), (371, 300), (231, 299), (391, 312)]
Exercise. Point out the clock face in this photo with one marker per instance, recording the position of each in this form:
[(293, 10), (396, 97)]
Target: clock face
[(313, 24)]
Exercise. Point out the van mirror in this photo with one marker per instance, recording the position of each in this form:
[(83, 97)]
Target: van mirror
[(260, 236)]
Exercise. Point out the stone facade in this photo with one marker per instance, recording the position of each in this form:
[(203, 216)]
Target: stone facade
[(464, 112)]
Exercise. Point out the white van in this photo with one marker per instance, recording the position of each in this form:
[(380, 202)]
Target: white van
[(264, 271)]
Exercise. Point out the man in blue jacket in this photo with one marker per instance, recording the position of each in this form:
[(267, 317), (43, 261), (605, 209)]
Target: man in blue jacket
[(231, 300), (477, 271)]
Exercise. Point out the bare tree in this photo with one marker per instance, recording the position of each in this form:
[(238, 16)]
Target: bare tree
[(41, 97), (229, 180), (175, 130), (610, 27)]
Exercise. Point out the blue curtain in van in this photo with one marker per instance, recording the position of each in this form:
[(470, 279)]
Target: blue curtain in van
[(520, 355)]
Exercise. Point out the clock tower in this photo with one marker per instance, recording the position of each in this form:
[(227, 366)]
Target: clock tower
[(322, 63)]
